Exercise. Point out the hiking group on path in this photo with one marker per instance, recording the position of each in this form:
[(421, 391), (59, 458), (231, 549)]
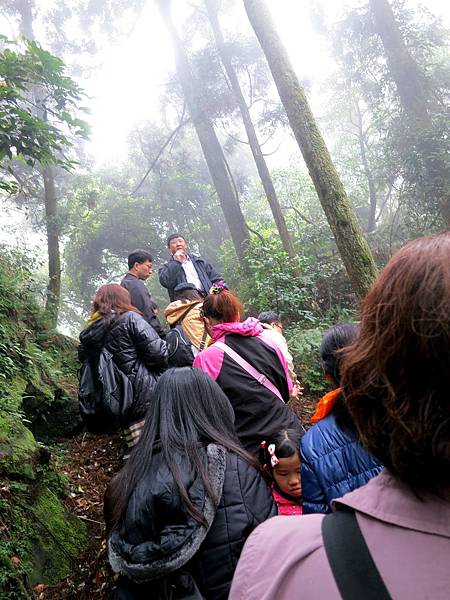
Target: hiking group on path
[(215, 452)]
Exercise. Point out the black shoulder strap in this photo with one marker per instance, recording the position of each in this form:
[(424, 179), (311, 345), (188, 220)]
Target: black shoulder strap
[(203, 340), (180, 320), (354, 570)]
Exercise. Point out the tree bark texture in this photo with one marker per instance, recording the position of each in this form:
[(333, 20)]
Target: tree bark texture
[(412, 90), (252, 137), (352, 245), (209, 142)]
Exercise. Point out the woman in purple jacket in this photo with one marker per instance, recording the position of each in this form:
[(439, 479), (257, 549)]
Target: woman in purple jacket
[(396, 381), (259, 398)]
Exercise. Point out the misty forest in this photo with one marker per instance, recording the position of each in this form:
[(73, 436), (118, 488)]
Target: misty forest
[(294, 146)]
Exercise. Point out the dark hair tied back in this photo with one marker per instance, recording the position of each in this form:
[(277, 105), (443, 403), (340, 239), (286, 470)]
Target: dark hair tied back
[(285, 442), (335, 339)]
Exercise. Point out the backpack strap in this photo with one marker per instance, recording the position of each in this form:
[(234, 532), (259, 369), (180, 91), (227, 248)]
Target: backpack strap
[(260, 378), (353, 568), (203, 340), (180, 319)]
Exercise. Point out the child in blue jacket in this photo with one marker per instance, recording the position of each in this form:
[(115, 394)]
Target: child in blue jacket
[(333, 462)]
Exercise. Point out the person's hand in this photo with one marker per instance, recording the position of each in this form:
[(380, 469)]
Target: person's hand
[(180, 256), (297, 390)]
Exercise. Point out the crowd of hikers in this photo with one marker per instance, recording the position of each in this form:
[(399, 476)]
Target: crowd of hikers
[(215, 451)]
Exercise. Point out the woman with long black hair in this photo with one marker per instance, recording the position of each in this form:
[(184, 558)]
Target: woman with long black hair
[(180, 510)]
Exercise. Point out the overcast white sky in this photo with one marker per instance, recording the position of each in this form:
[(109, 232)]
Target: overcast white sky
[(128, 78), (127, 87)]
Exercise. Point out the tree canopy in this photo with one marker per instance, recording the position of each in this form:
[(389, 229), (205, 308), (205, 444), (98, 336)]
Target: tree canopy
[(39, 105)]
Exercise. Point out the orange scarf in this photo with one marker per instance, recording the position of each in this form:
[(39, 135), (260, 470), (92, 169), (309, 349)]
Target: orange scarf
[(325, 405)]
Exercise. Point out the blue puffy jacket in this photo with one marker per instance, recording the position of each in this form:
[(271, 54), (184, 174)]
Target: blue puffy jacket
[(333, 462)]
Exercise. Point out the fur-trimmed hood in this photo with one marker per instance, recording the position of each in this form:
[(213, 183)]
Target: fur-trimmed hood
[(143, 560)]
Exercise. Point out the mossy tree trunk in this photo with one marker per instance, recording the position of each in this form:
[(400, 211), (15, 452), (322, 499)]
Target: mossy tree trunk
[(212, 150), (252, 137), (351, 243), (414, 96)]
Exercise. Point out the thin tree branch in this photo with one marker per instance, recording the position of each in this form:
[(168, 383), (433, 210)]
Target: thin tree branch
[(273, 151), (300, 214), (250, 86), (268, 139), (230, 135), (258, 235), (158, 156)]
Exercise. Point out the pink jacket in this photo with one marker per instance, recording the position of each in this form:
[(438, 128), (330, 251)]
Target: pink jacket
[(286, 507), (409, 540), (258, 410), (211, 359)]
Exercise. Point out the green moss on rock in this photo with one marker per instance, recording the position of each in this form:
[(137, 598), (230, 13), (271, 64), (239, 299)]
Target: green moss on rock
[(58, 538), (17, 448), (41, 541), (17, 443)]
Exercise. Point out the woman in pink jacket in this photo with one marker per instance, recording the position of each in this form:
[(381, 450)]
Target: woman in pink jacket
[(390, 538), (248, 366)]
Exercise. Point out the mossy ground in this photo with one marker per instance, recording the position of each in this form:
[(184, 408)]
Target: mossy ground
[(39, 538)]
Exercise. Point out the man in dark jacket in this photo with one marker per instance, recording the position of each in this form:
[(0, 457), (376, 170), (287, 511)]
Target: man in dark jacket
[(184, 267), (140, 265)]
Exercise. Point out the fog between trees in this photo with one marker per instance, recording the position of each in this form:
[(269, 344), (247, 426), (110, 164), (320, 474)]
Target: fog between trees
[(298, 189)]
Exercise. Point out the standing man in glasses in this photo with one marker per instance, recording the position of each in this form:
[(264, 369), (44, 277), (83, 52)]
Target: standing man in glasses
[(186, 268), (140, 267)]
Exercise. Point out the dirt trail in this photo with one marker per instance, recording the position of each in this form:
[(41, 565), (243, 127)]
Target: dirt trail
[(91, 461)]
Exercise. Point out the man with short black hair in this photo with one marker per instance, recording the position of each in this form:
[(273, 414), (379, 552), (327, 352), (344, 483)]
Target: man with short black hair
[(140, 267), (184, 267)]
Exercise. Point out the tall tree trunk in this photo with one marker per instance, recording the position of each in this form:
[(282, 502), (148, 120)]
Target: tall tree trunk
[(260, 162), (405, 71), (371, 221), (209, 142), (54, 261), (413, 93), (25, 9), (352, 245)]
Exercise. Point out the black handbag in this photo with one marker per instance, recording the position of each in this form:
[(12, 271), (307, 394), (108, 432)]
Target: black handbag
[(105, 395)]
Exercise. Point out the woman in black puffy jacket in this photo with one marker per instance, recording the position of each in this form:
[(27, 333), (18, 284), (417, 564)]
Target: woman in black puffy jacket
[(180, 510), (136, 349)]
